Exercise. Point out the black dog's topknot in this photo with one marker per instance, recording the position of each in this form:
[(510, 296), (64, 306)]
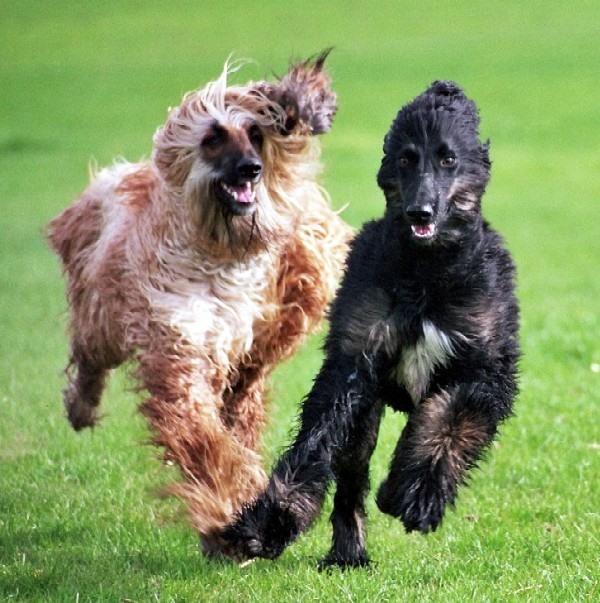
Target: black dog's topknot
[(443, 88), (440, 97), (447, 96)]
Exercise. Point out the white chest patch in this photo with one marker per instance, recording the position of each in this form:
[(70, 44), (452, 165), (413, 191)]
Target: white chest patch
[(217, 311), (418, 362)]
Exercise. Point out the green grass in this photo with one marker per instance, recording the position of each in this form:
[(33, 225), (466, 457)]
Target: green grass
[(79, 515)]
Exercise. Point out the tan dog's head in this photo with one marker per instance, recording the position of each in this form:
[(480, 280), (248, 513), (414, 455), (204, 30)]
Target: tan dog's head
[(241, 156)]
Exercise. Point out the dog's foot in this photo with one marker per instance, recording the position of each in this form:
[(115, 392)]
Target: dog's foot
[(263, 529), (419, 502), (334, 559), (79, 413)]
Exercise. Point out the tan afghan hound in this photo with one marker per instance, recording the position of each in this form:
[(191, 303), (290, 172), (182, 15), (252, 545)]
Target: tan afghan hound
[(208, 265)]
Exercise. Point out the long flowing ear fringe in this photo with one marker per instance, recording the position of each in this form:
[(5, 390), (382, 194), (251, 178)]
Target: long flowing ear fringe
[(305, 95)]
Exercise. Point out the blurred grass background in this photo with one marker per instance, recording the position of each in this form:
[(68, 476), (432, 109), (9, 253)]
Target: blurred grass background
[(91, 80)]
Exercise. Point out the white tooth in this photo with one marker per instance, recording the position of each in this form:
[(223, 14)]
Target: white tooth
[(229, 190)]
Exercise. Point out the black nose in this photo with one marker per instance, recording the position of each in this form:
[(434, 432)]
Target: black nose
[(249, 169), (420, 214)]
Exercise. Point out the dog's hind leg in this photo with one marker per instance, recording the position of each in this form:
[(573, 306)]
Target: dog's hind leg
[(352, 476), (84, 390)]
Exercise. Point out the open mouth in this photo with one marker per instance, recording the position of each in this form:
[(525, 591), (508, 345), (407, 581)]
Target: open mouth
[(239, 198), (423, 231)]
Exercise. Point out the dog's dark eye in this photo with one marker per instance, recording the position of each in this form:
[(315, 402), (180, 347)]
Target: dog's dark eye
[(405, 160), (215, 138), (447, 162), (255, 136), (408, 157)]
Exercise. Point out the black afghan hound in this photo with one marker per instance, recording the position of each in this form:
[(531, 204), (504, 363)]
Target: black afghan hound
[(426, 321)]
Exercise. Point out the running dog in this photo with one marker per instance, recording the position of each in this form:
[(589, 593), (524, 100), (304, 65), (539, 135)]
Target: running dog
[(426, 322), (208, 265)]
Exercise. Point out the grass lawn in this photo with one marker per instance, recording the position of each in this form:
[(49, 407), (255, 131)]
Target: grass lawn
[(82, 81)]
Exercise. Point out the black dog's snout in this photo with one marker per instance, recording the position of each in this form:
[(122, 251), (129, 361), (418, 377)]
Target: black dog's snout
[(420, 213), (249, 169)]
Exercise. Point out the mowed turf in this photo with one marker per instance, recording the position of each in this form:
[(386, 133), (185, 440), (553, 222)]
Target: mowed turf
[(80, 515)]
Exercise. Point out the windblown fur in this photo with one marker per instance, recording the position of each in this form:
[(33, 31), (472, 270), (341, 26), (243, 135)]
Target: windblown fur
[(426, 322), (208, 265)]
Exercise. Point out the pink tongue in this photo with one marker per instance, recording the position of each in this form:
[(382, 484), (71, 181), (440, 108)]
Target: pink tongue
[(423, 230), (244, 194)]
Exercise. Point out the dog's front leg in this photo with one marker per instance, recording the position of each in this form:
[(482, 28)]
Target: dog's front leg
[(86, 383), (243, 409), (443, 439), (299, 482), (184, 411)]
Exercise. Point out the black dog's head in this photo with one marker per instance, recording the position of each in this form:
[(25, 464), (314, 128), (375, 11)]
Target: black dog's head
[(435, 169)]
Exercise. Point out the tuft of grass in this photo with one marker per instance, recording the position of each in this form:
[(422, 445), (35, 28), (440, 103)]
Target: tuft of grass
[(80, 515)]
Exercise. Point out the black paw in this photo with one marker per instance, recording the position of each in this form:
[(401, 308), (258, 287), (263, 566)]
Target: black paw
[(334, 559), (263, 529), (418, 500)]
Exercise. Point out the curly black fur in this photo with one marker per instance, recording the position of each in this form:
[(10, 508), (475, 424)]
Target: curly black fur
[(426, 321)]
